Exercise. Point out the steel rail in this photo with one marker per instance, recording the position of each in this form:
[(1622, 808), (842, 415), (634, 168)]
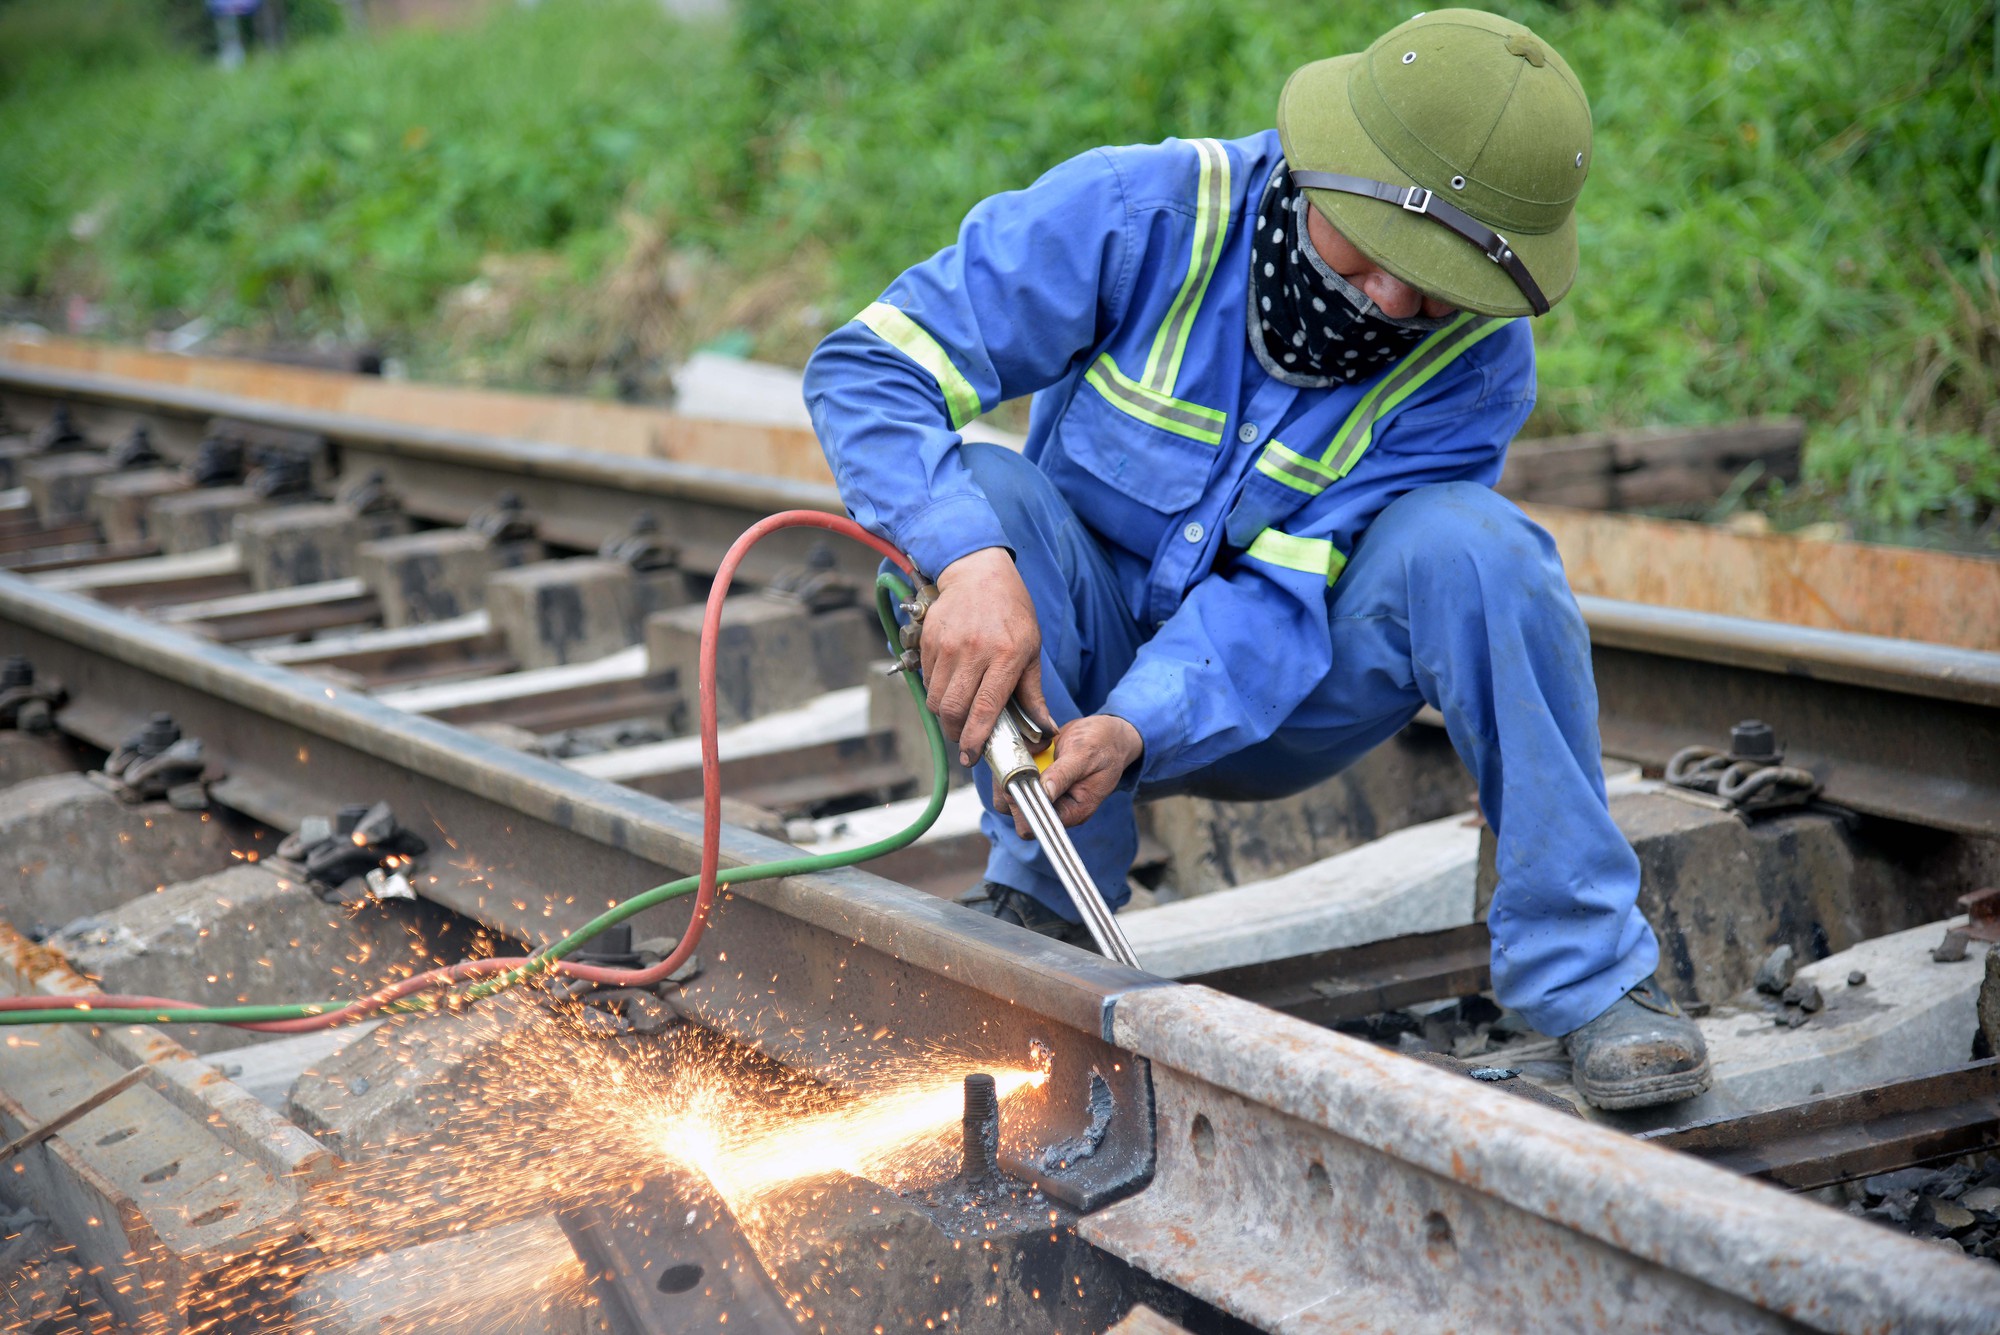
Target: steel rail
[(534, 849), (1907, 667), (1893, 728), (529, 458), (1297, 1177), (1890, 728), (1841, 1137), (582, 496)]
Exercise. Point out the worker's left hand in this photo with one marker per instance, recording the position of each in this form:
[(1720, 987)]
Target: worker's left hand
[(1092, 755)]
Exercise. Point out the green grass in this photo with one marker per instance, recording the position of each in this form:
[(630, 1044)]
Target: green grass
[(1792, 208)]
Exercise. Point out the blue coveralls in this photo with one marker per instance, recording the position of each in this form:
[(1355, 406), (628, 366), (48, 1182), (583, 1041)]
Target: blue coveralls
[(1266, 581)]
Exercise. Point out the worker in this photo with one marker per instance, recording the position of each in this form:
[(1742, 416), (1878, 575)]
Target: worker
[(1253, 529)]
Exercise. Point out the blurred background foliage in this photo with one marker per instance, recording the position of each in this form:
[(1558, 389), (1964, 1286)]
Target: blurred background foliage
[(1793, 209)]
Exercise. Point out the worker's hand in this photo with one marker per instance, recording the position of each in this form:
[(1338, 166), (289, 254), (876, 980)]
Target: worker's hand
[(1092, 755), (980, 648)]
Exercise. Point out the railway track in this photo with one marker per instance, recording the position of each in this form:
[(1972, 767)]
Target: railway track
[(1211, 1147)]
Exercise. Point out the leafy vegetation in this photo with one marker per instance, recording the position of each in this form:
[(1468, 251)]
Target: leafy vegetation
[(1793, 208)]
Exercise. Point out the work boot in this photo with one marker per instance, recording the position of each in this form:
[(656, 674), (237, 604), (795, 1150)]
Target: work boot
[(1007, 904), (1640, 1052)]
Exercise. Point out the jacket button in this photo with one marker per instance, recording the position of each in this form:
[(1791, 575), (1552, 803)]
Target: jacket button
[(1192, 532), (1247, 433)]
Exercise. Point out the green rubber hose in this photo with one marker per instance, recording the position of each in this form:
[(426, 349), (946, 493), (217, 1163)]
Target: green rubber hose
[(889, 587)]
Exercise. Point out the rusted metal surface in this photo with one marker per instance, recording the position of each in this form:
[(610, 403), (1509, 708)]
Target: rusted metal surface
[(1353, 981), (446, 473), (871, 969), (1301, 1182), (447, 461), (1651, 466), (1309, 1182), (1848, 1136), (628, 429), (45, 559), (30, 535), (1889, 727), (672, 1257), (1899, 592), (300, 610), (151, 581)]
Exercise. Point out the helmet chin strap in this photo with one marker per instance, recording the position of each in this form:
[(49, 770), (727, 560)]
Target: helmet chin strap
[(1416, 199)]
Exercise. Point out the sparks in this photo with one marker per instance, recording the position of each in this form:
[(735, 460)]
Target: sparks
[(749, 1157)]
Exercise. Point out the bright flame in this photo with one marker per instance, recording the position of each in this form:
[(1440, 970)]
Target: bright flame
[(535, 1115), (746, 1157)]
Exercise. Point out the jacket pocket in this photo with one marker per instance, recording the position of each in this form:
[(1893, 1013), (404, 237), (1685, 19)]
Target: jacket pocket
[(1164, 471)]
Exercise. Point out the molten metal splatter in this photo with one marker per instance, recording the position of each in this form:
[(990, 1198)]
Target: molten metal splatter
[(898, 1128), (518, 1114)]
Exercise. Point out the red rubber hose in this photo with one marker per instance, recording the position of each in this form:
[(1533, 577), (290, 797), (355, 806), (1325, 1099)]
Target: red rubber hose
[(711, 838)]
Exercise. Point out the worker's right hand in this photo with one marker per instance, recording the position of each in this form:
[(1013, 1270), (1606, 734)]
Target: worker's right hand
[(981, 646)]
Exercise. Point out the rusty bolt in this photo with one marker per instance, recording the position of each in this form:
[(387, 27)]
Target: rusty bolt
[(1753, 739)]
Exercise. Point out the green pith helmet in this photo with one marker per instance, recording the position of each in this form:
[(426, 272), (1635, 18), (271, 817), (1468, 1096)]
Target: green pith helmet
[(1451, 153)]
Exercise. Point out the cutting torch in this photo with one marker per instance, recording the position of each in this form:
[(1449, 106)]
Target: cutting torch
[(1018, 751)]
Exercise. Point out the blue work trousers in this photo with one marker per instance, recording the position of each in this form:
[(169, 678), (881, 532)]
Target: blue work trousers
[(1452, 598)]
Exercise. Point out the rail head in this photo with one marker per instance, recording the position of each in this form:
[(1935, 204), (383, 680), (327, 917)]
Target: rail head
[(528, 458), (534, 850), (1909, 667), (1516, 1216), (1905, 666)]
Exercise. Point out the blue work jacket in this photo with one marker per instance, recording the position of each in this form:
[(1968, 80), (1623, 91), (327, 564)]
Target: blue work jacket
[(1115, 290)]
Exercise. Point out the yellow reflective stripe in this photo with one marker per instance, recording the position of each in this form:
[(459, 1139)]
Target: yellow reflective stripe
[(1423, 375), (961, 400), (1411, 374), (1294, 470), (1313, 556), (1357, 432), (1364, 411), (1169, 414), (1211, 221)]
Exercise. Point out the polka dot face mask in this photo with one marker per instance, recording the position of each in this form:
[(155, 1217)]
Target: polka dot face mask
[(1308, 325)]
